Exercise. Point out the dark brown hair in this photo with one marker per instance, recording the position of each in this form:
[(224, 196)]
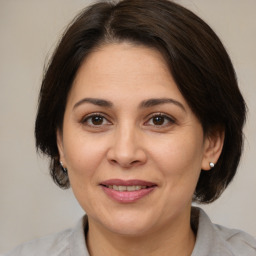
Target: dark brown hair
[(197, 60)]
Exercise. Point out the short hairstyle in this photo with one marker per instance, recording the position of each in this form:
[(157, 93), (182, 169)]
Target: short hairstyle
[(197, 60)]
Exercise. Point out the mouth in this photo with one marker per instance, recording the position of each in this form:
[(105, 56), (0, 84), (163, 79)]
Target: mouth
[(127, 191), (125, 188)]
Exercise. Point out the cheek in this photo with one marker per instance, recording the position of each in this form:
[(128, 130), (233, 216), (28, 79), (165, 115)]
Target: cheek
[(179, 158), (179, 164), (83, 156)]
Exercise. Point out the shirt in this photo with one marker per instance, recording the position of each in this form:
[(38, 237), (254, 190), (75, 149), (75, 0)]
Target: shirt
[(211, 240)]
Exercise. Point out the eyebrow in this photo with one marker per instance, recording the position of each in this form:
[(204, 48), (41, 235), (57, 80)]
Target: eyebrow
[(94, 101), (154, 102), (144, 104)]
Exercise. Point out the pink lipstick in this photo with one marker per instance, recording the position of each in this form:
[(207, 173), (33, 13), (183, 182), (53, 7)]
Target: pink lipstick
[(127, 191)]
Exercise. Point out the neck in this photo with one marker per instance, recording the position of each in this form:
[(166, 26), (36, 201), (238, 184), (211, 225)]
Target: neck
[(175, 239)]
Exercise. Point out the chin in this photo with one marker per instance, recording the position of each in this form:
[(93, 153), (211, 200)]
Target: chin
[(128, 224), (132, 229)]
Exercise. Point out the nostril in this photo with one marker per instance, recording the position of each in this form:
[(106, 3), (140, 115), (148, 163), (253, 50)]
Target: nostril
[(134, 162), (113, 161), (125, 165), (126, 158)]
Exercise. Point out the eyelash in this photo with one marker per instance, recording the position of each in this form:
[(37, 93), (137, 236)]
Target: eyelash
[(167, 118), (85, 120)]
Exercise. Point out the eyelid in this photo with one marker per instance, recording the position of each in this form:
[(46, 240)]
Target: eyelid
[(167, 116), (84, 120), (91, 115)]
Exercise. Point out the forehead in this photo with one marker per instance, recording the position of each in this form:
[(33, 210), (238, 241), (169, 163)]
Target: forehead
[(126, 70)]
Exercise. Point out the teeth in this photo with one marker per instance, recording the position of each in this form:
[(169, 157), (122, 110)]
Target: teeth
[(126, 188), (131, 188)]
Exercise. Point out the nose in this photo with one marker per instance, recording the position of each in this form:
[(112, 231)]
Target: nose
[(126, 148)]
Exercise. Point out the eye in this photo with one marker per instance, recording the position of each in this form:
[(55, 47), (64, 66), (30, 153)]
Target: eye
[(95, 120), (160, 120)]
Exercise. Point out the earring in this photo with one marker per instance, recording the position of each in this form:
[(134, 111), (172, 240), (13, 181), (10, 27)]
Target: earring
[(211, 164), (65, 170)]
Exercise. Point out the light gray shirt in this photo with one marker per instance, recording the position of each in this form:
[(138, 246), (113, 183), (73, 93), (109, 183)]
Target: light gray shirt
[(211, 240)]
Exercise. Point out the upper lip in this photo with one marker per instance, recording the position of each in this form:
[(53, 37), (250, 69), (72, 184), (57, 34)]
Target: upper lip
[(119, 182)]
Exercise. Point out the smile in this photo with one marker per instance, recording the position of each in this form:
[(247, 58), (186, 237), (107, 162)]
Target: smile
[(126, 188), (127, 191)]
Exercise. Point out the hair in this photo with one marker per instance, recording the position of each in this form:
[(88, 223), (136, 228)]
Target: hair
[(197, 60)]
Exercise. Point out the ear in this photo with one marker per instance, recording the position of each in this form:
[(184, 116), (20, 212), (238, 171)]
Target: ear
[(60, 146), (213, 145)]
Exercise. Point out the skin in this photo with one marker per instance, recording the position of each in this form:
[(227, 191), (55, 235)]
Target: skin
[(127, 142)]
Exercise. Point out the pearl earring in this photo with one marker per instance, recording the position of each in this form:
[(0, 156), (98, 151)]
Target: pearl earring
[(63, 168), (211, 164)]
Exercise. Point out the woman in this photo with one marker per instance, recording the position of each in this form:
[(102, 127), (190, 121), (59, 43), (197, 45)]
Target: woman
[(140, 112)]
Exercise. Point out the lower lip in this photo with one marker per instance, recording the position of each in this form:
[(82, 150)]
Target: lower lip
[(127, 196)]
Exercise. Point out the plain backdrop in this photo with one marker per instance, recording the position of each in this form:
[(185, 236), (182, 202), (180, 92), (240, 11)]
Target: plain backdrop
[(31, 205)]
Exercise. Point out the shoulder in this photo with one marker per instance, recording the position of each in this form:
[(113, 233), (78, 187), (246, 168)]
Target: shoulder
[(65, 243), (214, 239), (239, 242), (55, 244)]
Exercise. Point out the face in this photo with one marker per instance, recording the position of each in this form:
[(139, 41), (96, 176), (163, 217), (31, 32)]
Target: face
[(132, 146)]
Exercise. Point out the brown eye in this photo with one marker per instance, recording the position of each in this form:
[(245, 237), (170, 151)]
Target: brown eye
[(158, 120), (97, 120)]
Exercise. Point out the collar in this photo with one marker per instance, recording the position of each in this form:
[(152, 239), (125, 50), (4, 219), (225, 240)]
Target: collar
[(211, 240)]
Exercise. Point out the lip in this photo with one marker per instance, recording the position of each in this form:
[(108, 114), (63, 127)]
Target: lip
[(127, 196), (120, 182)]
